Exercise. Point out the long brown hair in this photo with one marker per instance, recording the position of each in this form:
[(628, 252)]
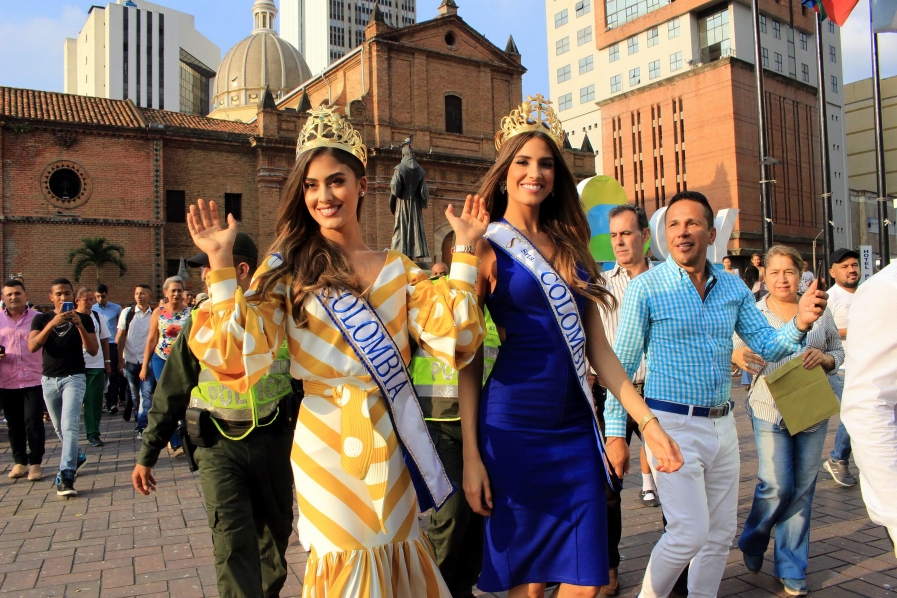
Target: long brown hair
[(313, 261), (561, 215)]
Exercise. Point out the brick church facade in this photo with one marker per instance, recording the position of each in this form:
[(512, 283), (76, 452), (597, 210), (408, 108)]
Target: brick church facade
[(74, 167)]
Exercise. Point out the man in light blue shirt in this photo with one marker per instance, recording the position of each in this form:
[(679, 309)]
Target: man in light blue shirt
[(110, 311), (681, 316)]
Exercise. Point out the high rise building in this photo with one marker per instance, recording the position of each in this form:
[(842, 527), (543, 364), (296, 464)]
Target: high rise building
[(326, 30), (863, 183), (637, 80), (150, 54)]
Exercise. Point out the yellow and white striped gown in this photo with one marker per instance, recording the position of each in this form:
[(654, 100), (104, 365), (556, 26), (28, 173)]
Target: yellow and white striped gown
[(362, 533)]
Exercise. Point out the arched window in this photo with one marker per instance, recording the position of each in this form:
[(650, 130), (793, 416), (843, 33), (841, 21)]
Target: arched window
[(453, 115)]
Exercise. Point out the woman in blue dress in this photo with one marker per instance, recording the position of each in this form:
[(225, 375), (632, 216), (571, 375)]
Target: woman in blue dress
[(533, 457)]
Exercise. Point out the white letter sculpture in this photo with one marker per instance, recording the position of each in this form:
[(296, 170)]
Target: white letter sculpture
[(724, 223)]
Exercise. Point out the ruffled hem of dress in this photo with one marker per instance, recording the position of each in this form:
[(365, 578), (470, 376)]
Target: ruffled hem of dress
[(397, 570)]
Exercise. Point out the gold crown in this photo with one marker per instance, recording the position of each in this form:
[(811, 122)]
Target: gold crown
[(535, 114), (325, 127)]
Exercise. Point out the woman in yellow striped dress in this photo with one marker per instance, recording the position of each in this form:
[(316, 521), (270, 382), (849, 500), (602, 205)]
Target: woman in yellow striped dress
[(359, 457)]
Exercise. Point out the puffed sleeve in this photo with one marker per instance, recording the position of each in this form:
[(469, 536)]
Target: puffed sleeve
[(237, 338), (443, 316)]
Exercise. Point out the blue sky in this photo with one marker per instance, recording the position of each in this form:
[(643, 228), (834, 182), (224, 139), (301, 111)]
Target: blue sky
[(32, 34)]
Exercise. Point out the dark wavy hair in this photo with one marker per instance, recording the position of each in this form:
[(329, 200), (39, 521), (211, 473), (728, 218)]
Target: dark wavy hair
[(561, 215), (313, 261)]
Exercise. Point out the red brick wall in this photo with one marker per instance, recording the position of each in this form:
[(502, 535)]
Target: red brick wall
[(207, 170), (720, 153), (42, 261), (36, 241), (119, 166)]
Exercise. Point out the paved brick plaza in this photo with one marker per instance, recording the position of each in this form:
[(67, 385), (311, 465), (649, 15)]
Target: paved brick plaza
[(110, 541)]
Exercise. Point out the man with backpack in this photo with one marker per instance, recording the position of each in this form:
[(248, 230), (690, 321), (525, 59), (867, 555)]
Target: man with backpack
[(133, 330)]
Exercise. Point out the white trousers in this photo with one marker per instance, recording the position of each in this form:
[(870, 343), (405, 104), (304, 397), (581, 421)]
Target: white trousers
[(700, 502)]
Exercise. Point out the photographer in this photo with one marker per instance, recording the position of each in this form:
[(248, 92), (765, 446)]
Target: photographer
[(64, 374)]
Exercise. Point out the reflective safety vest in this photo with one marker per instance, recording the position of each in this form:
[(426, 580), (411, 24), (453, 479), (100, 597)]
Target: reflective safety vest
[(244, 408), (437, 383)]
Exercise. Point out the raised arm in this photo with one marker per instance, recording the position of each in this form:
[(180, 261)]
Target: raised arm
[(444, 317), (759, 335), (235, 337)]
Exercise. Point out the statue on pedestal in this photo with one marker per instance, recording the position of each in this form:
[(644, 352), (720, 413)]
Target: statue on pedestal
[(408, 200)]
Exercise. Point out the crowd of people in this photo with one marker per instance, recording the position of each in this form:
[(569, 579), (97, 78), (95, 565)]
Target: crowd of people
[(502, 389), (65, 361)]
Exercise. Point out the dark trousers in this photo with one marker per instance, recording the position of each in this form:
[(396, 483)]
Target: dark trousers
[(24, 411), (116, 390), (248, 489), (455, 531), (612, 497)]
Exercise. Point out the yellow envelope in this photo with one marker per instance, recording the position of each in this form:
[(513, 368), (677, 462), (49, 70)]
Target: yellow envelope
[(803, 397)]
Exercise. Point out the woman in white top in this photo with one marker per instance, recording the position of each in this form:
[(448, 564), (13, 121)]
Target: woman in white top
[(788, 464)]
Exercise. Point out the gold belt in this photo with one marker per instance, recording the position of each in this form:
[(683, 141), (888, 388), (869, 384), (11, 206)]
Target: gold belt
[(364, 454)]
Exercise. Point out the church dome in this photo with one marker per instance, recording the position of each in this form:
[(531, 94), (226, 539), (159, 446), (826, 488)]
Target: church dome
[(261, 60)]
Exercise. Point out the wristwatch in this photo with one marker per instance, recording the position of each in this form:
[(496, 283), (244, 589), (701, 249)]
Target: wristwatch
[(463, 249)]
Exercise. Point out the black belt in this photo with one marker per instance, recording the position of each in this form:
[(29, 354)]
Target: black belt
[(683, 409), (233, 428)]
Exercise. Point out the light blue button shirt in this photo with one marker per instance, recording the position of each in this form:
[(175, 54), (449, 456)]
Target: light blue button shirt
[(687, 342), (111, 313)]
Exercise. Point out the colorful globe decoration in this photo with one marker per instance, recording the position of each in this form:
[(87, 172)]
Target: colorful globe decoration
[(599, 195)]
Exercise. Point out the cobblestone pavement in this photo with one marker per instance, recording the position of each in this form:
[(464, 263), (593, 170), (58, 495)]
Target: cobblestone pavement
[(110, 541)]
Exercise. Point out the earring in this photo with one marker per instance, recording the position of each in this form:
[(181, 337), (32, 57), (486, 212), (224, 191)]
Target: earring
[(362, 194), (503, 187), (551, 192)]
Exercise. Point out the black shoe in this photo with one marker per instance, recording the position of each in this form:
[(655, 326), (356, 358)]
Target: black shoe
[(65, 483), (114, 409), (649, 498), (82, 459), (95, 441), (753, 562)]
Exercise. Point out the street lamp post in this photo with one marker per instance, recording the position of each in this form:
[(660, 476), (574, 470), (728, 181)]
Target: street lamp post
[(881, 180), (828, 225), (765, 206)]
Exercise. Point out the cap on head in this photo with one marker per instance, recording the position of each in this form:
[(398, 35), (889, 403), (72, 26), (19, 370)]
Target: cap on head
[(243, 245), (839, 255)]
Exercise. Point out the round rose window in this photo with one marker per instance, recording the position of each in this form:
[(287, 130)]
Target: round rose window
[(66, 184)]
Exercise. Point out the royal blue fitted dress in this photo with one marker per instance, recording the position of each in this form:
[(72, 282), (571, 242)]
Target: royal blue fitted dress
[(540, 446)]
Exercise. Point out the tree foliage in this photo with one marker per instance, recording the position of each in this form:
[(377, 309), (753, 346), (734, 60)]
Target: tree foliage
[(96, 252)]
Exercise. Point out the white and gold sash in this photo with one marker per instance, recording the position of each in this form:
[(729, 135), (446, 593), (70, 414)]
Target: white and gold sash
[(370, 340), (561, 304)]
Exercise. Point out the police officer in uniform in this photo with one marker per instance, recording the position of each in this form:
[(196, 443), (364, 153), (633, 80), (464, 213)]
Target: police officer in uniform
[(455, 531), (241, 445)]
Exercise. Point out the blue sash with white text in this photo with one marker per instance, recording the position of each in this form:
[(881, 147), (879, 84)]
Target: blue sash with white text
[(370, 340), (563, 307)]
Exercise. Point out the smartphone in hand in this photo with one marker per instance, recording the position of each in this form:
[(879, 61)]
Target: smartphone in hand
[(68, 306)]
